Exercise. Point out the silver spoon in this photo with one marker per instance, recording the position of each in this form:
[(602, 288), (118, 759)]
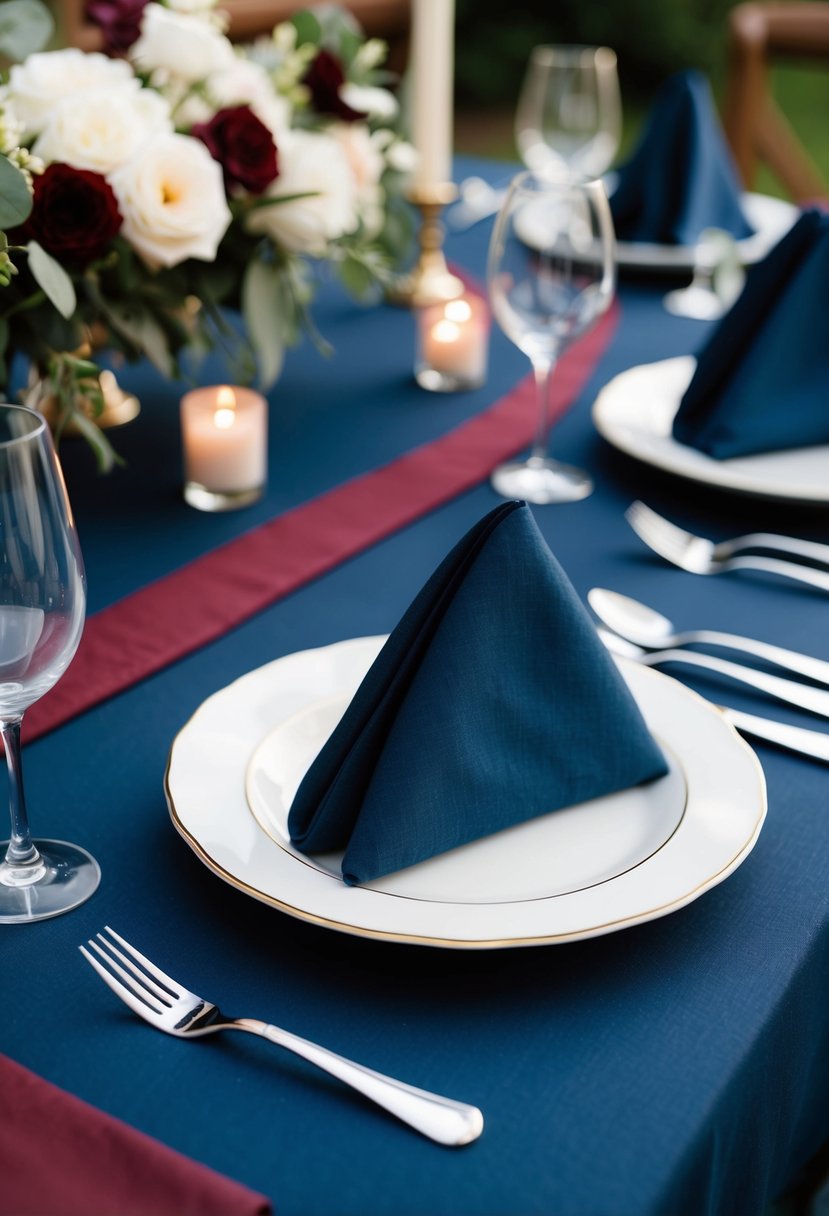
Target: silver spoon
[(647, 627), (815, 700)]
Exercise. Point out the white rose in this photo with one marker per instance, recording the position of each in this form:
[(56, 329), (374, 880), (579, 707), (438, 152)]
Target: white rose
[(316, 164), (46, 77), (172, 198), (102, 132), (366, 99), (179, 45), (365, 159), (247, 83)]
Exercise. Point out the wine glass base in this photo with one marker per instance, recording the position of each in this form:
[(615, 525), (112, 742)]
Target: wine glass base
[(68, 875), (697, 303), (541, 481)]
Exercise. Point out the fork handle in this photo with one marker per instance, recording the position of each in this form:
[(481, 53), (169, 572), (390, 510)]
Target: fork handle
[(789, 660), (815, 700), (812, 550), (441, 1119), (774, 565)]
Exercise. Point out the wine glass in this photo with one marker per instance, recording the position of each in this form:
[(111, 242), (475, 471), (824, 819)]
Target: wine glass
[(569, 114), (551, 274), (42, 603)]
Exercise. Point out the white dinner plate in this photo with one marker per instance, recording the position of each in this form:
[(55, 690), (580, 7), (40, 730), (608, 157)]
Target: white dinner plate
[(575, 873), (635, 412), (770, 217)]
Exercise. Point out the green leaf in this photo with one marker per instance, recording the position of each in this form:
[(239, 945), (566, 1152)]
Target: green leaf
[(105, 456), (356, 276), (54, 280), (140, 328), (25, 26), (15, 196), (266, 308), (307, 28)]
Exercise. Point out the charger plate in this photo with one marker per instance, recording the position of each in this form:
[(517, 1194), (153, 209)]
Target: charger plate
[(575, 873), (635, 412)]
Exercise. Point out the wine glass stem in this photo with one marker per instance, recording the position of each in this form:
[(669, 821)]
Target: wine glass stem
[(21, 851), (543, 373)]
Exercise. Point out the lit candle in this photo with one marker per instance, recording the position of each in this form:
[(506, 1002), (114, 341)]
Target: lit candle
[(224, 433), (433, 41), (454, 341)]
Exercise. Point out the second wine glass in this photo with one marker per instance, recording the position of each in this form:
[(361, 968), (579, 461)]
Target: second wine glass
[(568, 120), (551, 275)]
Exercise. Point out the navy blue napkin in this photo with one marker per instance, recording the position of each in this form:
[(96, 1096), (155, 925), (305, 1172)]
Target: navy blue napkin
[(492, 702), (762, 380), (681, 178)]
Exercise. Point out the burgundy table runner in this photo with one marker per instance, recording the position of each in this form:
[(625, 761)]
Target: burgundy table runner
[(183, 611), (97, 1165)]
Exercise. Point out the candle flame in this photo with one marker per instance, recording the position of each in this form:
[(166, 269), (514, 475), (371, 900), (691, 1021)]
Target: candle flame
[(446, 331), (226, 398), (224, 419), (458, 310)]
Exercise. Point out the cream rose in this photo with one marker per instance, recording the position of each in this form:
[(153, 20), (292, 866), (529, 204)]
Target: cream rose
[(180, 46), (315, 164), (102, 132), (47, 77), (365, 159), (172, 198)]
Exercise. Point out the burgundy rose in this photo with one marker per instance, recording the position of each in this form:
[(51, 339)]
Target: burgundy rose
[(75, 214), (119, 20), (242, 145), (324, 78)]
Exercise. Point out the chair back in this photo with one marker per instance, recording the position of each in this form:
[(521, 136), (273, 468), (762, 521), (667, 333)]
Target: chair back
[(760, 33)]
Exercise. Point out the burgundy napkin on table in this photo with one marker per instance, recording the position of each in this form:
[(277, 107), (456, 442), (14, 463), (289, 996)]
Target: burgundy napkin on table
[(60, 1156)]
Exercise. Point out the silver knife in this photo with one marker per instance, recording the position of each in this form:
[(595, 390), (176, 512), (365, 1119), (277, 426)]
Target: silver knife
[(812, 743)]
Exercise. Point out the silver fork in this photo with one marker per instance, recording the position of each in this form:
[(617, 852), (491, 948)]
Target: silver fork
[(701, 556), (164, 1003)]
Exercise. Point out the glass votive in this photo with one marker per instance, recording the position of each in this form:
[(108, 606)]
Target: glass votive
[(452, 344), (224, 433)]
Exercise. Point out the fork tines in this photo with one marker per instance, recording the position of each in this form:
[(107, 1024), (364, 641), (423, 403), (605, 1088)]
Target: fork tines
[(143, 982)]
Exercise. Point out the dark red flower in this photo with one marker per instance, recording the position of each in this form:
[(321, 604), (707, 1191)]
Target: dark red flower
[(120, 21), (325, 77), (242, 145), (75, 214)]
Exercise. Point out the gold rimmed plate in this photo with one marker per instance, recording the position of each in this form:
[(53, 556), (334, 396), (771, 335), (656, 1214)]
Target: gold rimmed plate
[(576, 873)]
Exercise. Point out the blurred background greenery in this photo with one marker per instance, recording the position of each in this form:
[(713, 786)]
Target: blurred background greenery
[(652, 39)]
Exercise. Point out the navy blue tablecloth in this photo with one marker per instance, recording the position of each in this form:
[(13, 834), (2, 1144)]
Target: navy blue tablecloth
[(679, 1067)]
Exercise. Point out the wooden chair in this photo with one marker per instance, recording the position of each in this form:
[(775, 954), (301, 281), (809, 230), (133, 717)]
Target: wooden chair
[(387, 19), (757, 131)]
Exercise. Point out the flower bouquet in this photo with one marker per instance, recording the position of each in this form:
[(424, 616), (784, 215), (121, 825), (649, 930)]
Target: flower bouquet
[(146, 192)]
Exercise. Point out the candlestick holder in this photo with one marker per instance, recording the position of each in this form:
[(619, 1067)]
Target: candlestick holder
[(430, 281)]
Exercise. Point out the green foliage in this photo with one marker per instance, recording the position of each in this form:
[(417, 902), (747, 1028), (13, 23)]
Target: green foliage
[(52, 279), (15, 196), (25, 26), (653, 39)]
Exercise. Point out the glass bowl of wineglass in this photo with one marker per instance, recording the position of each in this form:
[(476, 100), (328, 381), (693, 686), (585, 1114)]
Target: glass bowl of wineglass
[(550, 276), (42, 608), (569, 114)]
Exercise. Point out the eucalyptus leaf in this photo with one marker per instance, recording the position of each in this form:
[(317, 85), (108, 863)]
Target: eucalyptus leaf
[(15, 196), (307, 28), (140, 328), (105, 456), (53, 279), (266, 308), (26, 26)]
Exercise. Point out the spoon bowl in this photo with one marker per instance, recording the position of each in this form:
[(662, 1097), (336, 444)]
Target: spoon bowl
[(646, 627)]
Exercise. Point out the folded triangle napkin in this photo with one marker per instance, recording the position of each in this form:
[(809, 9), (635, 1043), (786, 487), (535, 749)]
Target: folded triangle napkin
[(681, 178), (492, 702), (762, 380)]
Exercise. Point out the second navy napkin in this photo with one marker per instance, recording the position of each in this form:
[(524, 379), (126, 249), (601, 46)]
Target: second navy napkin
[(681, 178), (492, 702), (762, 380)]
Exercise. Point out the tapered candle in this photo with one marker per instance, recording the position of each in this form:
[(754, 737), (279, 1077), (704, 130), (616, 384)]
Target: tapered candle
[(433, 43)]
